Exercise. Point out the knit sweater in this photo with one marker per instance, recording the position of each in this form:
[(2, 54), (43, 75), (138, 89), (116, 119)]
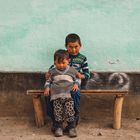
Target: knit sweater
[(79, 62), (61, 82)]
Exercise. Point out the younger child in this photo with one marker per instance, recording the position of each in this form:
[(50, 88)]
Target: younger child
[(61, 81)]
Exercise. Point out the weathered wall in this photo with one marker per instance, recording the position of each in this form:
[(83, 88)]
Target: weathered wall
[(15, 102), (31, 30)]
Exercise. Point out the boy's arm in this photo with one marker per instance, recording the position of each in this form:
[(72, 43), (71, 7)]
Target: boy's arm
[(47, 85), (75, 81), (80, 76), (46, 92), (85, 69), (47, 74)]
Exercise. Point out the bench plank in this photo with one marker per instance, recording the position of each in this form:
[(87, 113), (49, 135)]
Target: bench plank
[(30, 92)]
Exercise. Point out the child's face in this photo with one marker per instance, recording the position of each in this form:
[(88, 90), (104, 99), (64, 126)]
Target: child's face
[(73, 47), (61, 65)]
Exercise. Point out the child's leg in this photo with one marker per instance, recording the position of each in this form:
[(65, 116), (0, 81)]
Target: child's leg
[(58, 110), (76, 98), (58, 116), (69, 112), (49, 106)]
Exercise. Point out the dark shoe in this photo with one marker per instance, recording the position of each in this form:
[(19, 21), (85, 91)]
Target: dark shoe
[(72, 132), (58, 132), (54, 126), (53, 129)]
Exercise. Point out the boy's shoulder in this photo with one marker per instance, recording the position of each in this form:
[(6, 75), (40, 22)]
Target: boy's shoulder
[(51, 67), (81, 58), (82, 55)]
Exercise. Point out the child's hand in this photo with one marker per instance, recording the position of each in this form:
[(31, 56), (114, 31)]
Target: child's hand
[(79, 75), (47, 75), (75, 87), (46, 92)]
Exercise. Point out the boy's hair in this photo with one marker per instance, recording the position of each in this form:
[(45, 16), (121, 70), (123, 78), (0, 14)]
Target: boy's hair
[(72, 38), (60, 55)]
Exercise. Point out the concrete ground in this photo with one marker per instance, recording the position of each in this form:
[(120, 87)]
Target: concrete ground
[(13, 128)]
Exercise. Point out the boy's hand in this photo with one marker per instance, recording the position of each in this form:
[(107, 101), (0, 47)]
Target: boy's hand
[(75, 87), (79, 75), (47, 75), (46, 92)]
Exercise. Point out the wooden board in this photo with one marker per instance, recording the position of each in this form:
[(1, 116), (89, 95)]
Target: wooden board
[(114, 92)]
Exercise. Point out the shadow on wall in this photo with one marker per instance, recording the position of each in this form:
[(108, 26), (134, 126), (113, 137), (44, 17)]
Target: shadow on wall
[(107, 81)]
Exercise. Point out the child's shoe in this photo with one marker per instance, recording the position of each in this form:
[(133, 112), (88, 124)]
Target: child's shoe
[(58, 132), (70, 129), (53, 128), (72, 132)]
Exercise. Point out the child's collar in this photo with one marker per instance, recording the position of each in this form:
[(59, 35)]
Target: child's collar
[(74, 55), (63, 71)]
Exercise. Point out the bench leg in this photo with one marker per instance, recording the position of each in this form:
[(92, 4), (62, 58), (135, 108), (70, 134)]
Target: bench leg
[(38, 109), (117, 111)]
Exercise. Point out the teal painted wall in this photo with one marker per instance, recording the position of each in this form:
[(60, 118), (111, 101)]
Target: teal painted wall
[(31, 30)]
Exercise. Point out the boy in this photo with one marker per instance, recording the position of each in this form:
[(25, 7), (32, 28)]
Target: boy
[(79, 62), (61, 81)]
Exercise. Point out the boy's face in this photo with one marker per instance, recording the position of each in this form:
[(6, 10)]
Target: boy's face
[(73, 47), (61, 65)]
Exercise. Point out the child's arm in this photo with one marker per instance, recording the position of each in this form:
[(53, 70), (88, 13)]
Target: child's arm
[(47, 74), (75, 81), (47, 84), (85, 69), (47, 87), (80, 76), (75, 87), (46, 91)]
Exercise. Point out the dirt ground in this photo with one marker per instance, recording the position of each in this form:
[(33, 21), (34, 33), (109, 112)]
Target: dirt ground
[(12, 128)]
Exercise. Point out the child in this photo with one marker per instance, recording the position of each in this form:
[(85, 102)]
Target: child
[(79, 62), (61, 81)]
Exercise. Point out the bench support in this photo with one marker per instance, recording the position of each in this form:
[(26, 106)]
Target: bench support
[(38, 109), (118, 111)]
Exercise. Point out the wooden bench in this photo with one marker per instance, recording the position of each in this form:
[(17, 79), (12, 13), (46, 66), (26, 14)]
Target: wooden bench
[(118, 102)]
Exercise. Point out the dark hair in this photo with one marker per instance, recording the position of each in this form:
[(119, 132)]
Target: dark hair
[(60, 55), (72, 38)]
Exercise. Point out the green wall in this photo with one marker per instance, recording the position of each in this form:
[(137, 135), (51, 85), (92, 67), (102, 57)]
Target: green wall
[(31, 30)]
